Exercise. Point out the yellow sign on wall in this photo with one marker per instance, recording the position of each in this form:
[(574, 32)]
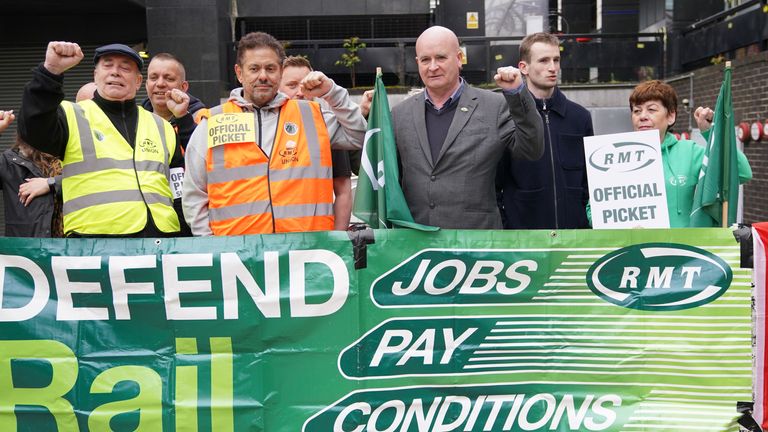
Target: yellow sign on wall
[(473, 20)]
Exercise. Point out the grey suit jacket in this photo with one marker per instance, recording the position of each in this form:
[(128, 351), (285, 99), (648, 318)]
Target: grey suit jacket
[(457, 191)]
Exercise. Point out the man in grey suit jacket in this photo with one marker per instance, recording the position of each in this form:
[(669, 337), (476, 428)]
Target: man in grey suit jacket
[(451, 137)]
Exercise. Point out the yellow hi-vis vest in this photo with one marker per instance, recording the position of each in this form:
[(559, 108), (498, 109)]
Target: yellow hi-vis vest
[(107, 185)]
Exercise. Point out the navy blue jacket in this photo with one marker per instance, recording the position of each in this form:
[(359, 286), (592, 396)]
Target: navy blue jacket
[(552, 192)]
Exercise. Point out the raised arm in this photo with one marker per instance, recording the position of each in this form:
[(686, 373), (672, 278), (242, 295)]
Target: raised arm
[(42, 123), (525, 135), (346, 124)]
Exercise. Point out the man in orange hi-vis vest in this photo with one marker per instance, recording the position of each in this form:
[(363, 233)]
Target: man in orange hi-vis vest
[(261, 163)]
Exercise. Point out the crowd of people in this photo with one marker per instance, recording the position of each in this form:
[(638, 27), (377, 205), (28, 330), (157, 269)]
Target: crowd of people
[(277, 156)]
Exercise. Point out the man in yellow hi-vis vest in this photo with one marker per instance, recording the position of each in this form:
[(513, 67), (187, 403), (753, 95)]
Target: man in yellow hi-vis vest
[(116, 156), (261, 163)]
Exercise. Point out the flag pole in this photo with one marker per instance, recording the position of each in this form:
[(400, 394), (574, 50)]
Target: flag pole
[(725, 202)]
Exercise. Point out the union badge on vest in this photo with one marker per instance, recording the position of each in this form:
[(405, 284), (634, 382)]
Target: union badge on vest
[(291, 128), (149, 146), (289, 153)]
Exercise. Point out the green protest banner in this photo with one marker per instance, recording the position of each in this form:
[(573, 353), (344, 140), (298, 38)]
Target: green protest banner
[(613, 330)]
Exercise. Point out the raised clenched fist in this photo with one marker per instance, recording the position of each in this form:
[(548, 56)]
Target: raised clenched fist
[(703, 117), (508, 77), (365, 102), (315, 84), (62, 56), (177, 102)]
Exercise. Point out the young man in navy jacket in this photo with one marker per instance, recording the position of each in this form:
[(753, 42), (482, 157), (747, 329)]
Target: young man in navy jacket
[(551, 192)]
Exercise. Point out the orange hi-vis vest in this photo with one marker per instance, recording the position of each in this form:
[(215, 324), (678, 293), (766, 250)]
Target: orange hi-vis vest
[(250, 192)]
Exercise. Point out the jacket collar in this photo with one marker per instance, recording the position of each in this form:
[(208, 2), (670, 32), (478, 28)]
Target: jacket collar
[(451, 100), (669, 140), (115, 107), (556, 103), (15, 157)]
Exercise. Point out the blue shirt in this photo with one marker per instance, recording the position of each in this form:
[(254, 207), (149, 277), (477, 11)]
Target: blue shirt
[(514, 91), (451, 100)]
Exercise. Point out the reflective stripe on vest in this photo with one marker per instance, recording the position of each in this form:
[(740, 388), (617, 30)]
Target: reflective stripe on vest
[(269, 187), (91, 163), (119, 206), (98, 198), (302, 216)]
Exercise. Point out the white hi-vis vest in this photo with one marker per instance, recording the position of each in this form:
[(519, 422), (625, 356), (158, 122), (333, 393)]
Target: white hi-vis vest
[(107, 185)]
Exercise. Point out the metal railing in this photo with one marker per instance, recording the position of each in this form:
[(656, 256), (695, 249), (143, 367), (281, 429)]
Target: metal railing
[(586, 57)]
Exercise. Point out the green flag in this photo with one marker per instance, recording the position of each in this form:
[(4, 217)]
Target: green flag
[(718, 183), (379, 200)]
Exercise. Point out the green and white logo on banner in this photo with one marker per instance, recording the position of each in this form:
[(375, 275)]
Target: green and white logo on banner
[(659, 276)]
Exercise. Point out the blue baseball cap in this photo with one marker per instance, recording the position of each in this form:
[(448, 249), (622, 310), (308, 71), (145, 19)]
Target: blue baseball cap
[(118, 49)]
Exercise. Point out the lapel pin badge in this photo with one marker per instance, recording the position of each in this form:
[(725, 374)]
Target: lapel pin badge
[(464, 109)]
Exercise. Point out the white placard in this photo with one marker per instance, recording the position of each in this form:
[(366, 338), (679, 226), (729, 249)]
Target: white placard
[(626, 180), (176, 181)]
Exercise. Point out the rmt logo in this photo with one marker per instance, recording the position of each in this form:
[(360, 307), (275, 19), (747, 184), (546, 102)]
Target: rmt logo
[(659, 277), (149, 146)]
